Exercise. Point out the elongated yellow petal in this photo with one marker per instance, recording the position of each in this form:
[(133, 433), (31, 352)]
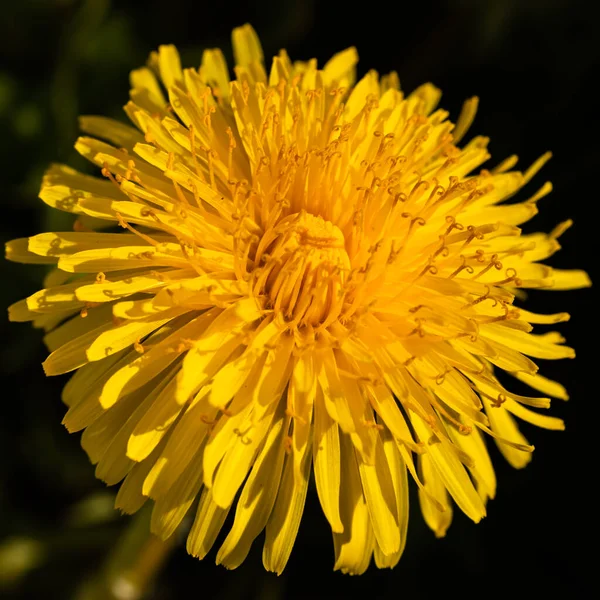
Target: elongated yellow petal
[(302, 392), (169, 65), (73, 354), (101, 429), (185, 442), (172, 506), (354, 545), (400, 483), (159, 351), (437, 520), (214, 71), (241, 454), (543, 384), (123, 286), (130, 497), (84, 394), (527, 343), (504, 425), (115, 132), (493, 390), (451, 472), (341, 68), (223, 333), (530, 416), (207, 524), (18, 251), (284, 521), (569, 279), (246, 46), (155, 423), (326, 456), (378, 490), (84, 379), (257, 499), (144, 80), (481, 469)]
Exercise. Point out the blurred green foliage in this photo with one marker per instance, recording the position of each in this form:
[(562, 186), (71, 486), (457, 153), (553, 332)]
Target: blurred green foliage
[(59, 58)]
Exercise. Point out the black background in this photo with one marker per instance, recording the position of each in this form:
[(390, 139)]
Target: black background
[(533, 64)]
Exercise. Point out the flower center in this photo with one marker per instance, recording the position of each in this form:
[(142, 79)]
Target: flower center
[(303, 269)]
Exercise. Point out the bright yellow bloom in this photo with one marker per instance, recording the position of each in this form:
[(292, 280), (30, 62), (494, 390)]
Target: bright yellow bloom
[(312, 277)]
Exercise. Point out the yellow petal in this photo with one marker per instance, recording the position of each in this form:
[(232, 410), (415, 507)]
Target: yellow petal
[(527, 343), (83, 380), (84, 394), (241, 454), (70, 242), (246, 46), (169, 65), (429, 95), (129, 497), (509, 359), (481, 469), (99, 436), (512, 214), (465, 119), (145, 81), (451, 471), (302, 392), (224, 333), (284, 521), (366, 87), (161, 349), (275, 372), (530, 416), (185, 442), (494, 391), (354, 546), (155, 423), (222, 437), (172, 506), (378, 489), (543, 384), (437, 520), (115, 132), (257, 498), (504, 425), (62, 188), (326, 453), (207, 524), (199, 365), (563, 279), (400, 483), (214, 71), (73, 354), (122, 286), (18, 251), (386, 407), (543, 319), (124, 257), (124, 335), (341, 68), (51, 300), (230, 379)]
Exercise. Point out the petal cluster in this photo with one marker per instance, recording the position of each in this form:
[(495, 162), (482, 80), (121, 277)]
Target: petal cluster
[(286, 274)]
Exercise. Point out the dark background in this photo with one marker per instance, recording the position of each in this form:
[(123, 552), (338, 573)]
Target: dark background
[(532, 64)]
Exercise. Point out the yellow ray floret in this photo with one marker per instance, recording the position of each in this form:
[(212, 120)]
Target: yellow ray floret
[(313, 282)]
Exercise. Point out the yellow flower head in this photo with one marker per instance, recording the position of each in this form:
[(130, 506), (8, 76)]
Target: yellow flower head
[(312, 277)]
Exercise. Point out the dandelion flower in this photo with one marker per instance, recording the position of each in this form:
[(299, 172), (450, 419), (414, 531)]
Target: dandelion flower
[(312, 277)]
